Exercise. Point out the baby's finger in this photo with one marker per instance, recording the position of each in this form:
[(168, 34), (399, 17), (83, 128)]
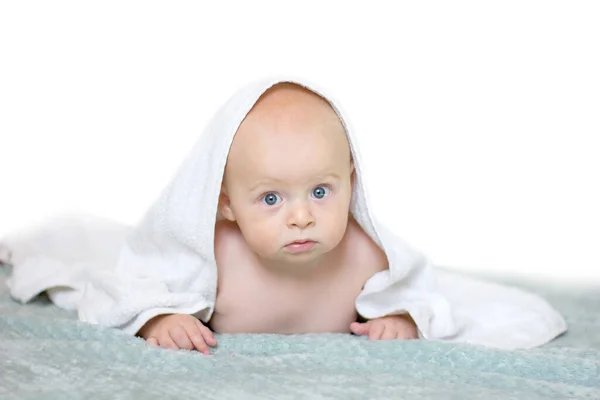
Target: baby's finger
[(152, 341), (376, 331), (405, 334), (389, 333), (167, 343), (179, 335), (359, 329), (199, 343), (207, 334), (195, 334), (401, 335)]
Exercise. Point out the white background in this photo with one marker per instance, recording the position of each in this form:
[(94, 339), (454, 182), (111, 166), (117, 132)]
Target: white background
[(478, 121)]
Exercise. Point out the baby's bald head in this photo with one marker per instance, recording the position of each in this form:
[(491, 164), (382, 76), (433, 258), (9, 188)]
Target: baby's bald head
[(288, 117), (289, 102)]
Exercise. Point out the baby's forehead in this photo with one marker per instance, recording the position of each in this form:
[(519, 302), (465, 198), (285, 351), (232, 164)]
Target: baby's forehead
[(288, 122)]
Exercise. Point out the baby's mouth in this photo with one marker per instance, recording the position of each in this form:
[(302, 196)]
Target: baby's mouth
[(300, 246)]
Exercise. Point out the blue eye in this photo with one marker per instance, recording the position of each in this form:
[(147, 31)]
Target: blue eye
[(270, 199), (320, 191)]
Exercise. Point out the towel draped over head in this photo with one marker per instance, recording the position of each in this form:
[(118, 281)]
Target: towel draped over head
[(121, 277)]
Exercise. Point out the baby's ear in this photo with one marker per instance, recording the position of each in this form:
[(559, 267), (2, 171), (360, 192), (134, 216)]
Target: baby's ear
[(225, 205)]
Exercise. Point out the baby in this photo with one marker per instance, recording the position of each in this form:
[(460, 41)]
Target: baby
[(290, 257)]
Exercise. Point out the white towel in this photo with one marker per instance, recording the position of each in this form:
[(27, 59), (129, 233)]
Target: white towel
[(121, 277)]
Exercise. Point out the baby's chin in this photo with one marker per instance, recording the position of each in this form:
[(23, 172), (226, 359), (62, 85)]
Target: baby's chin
[(297, 256)]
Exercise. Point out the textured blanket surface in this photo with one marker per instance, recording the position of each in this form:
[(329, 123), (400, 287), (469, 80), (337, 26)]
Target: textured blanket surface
[(46, 353)]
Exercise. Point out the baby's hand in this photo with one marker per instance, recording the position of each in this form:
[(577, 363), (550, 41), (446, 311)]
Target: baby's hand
[(386, 328), (178, 331)]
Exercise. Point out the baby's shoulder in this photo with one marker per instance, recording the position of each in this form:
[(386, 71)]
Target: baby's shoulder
[(363, 250)]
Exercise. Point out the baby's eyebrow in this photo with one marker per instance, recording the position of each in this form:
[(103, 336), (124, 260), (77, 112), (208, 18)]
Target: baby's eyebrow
[(330, 175), (264, 182)]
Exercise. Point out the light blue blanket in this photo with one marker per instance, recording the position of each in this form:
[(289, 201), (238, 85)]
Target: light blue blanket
[(45, 353)]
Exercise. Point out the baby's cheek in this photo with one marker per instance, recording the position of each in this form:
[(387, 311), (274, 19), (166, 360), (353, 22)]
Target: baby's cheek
[(263, 237), (335, 224)]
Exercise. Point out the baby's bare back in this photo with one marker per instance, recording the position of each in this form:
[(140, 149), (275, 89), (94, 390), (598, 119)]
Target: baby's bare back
[(254, 299)]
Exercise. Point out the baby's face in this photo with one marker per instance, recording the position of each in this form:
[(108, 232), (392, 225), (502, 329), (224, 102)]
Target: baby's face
[(288, 177)]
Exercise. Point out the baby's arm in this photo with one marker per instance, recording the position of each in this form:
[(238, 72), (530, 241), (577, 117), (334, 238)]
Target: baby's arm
[(178, 331)]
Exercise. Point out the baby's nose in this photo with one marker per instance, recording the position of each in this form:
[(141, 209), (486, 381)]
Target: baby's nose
[(300, 216)]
